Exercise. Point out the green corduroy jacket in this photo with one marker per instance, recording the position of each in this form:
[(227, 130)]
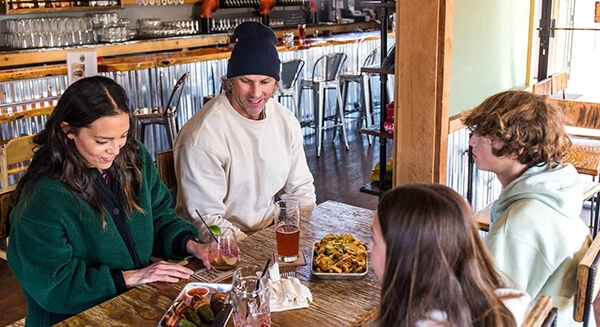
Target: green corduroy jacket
[(62, 256)]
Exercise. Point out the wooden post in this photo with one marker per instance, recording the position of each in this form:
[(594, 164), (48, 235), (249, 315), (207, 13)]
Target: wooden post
[(423, 51)]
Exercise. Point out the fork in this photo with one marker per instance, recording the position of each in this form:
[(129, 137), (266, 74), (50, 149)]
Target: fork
[(289, 273)]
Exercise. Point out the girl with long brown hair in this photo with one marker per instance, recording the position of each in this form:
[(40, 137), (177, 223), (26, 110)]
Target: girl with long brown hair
[(436, 270)]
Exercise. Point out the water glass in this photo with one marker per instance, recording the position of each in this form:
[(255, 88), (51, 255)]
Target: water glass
[(250, 297), (288, 39), (287, 229)]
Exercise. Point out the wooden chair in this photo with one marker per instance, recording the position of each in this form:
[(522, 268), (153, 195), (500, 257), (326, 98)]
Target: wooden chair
[(4, 229), (587, 284), (543, 87), (542, 314), (590, 192), (581, 114), (584, 127), (14, 159), (559, 83), (165, 164)]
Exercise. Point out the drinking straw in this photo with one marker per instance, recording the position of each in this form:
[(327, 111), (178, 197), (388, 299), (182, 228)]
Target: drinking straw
[(263, 273), (211, 232)]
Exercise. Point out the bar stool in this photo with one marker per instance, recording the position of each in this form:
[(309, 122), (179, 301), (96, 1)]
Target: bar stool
[(363, 80), (325, 76), (162, 115), (290, 71)]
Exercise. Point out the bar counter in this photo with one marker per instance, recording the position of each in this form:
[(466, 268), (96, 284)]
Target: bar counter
[(16, 58)]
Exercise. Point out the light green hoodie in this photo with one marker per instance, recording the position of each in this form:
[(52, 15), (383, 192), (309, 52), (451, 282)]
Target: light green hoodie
[(537, 238)]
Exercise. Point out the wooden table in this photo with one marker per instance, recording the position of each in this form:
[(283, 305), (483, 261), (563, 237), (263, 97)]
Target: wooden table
[(335, 302), (482, 217)]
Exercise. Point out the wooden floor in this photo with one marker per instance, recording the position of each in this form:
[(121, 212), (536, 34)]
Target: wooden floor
[(338, 174)]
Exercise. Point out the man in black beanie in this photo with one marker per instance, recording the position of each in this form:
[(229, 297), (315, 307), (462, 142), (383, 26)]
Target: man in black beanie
[(243, 149)]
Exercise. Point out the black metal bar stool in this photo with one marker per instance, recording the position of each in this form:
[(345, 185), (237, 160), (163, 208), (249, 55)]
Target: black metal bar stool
[(163, 115)]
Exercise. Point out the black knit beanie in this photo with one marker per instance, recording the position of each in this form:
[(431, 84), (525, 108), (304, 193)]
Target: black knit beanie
[(255, 52)]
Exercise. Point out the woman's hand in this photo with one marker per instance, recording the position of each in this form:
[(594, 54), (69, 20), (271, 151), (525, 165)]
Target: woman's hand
[(160, 271), (200, 251)]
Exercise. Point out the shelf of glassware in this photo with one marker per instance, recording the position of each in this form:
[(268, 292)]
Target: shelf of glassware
[(157, 2), (24, 7)]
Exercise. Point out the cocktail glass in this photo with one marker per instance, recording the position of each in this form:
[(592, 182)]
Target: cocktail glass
[(223, 254)]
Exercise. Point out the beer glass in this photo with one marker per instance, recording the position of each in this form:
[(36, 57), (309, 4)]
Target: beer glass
[(301, 34), (287, 229)]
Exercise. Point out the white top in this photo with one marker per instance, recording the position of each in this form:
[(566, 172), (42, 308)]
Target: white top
[(230, 167), (515, 301)]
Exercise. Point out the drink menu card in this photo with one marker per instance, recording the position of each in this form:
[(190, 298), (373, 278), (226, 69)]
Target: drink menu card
[(212, 276)]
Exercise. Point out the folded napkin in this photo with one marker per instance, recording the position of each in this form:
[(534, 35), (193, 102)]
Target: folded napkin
[(303, 294), (287, 293)]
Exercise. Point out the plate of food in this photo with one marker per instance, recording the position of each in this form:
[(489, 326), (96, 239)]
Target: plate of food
[(339, 256), (199, 305)]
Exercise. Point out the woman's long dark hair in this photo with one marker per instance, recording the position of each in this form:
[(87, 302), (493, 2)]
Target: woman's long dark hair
[(436, 260), (56, 156)]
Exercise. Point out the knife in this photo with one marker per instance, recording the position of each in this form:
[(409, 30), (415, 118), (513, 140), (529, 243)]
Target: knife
[(223, 315)]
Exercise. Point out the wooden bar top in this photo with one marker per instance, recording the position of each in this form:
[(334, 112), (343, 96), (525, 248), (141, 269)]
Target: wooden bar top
[(335, 302)]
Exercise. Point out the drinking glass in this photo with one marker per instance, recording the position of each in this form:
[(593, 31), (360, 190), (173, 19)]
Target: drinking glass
[(287, 229), (288, 39), (223, 254), (250, 297)]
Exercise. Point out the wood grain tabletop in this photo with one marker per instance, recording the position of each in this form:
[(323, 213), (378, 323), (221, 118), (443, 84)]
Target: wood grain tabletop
[(335, 302)]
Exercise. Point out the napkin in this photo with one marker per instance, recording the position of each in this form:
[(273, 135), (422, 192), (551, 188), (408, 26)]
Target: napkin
[(287, 294), (303, 294)]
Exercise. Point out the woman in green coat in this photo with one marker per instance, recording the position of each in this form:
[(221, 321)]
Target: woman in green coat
[(91, 210)]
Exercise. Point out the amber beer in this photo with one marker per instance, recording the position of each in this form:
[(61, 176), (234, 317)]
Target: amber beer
[(287, 229), (301, 34), (288, 238)]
